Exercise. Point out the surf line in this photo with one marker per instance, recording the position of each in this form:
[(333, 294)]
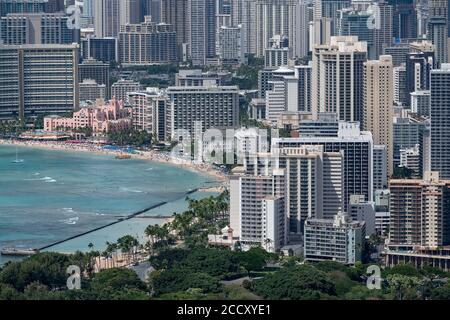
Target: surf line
[(129, 217)]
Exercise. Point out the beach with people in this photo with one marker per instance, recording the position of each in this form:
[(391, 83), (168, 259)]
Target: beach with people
[(152, 155)]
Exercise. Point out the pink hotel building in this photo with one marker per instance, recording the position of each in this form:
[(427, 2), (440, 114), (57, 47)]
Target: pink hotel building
[(102, 118)]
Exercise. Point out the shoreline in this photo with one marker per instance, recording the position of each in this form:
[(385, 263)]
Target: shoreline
[(220, 179), (152, 156)]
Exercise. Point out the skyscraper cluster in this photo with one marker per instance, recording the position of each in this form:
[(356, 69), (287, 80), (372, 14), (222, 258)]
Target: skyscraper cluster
[(359, 91)]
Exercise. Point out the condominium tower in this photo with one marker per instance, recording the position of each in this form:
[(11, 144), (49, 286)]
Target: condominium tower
[(38, 79), (337, 79), (378, 104)]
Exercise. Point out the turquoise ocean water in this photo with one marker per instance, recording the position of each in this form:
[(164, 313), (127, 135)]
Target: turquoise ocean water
[(54, 195)]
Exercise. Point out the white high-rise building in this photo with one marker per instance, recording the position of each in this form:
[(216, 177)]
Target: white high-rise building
[(340, 239), (275, 17), (150, 112), (314, 180), (276, 98), (257, 210), (358, 156), (231, 50), (213, 106)]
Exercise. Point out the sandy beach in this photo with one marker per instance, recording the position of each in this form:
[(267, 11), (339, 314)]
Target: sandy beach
[(154, 156)]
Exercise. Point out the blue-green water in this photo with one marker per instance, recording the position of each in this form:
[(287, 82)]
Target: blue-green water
[(54, 195)]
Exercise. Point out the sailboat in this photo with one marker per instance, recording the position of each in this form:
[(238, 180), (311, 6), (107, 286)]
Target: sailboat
[(17, 157)]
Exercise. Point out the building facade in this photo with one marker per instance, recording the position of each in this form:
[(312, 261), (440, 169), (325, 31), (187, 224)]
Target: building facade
[(212, 107), (147, 43), (38, 79)]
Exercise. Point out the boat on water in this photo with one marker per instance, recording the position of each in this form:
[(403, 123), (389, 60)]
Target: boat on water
[(123, 156), (17, 252)]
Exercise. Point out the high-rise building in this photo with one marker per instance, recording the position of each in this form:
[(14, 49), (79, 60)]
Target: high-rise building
[(354, 22), (275, 17), (400, 92), (152, 8), (38, 79), (122, 88), (404, 19), (358, 156), (378, 104), (314, 187), (419, 63), (147, 43), (340, 239), (278, 53), (420, 102), (303, 19), (383, 32), (212, 106), (202, 43), (230, 48), (257, 210), (22, 6), (380, 167), (243, 12), (410, 132), (304, 76), (100, 49), (277, 101), (440, 120), (420, 212), (109, 15), (91, 91), (177, 14), (337, 79), (398, 52), (150, 112), (96, 70), (438, 29), (87, 17), (330, 9), (223, 19), (37, 28), (107, 18)]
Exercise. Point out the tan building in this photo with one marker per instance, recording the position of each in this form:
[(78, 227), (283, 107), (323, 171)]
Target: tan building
[(378, 104), (337, 77), (420, 212)]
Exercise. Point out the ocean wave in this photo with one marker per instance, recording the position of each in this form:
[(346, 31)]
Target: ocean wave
[(131, 190), (68, 210), (71, 221), (45, 179)]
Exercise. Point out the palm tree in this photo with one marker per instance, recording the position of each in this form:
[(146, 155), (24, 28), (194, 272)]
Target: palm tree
[(111, 248), (267, 243), (128, 245)]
